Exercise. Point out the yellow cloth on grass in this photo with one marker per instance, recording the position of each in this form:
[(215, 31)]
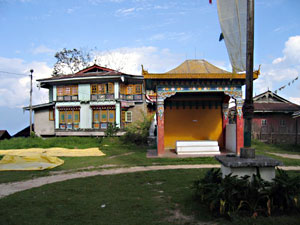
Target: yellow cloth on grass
[(32, 162), (54, 152)]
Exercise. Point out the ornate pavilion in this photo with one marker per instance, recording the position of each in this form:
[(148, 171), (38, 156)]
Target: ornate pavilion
[(192, 103)]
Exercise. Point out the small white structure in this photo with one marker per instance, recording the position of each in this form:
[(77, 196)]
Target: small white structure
[(197, 148), (263, 165)]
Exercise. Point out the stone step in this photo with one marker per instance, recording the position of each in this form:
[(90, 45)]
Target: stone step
[(196, 143), (198, 148), (199, 153), (205, 147)]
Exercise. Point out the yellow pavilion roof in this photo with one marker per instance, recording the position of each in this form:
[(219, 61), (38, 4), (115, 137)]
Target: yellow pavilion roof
[(197, 69), (196, 66)]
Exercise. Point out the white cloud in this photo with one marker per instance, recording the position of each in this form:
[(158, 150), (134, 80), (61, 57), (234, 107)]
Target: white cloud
[(125, 12), (291, 52), (14, 89), (97, 2), (179, 36), (282, 70), (295, 100), (129, 60), (42, 49)]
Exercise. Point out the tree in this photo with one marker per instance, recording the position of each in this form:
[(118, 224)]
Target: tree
[(70, 61)]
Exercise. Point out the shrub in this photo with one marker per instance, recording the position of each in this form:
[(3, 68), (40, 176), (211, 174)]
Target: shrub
[(138, 131), (232, 195), (111, 130)]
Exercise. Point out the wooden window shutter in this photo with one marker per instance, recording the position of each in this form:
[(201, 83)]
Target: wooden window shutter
[(76, 116), (69, 116), (129, 89), (110, 87), (138, 89), (75, 90), (62, 117), (123, 116), (96, 115), (122, 89), (51, 114), (111, 116), (94, 89), (60, 91), (67, 90), (128, 116), (103, 116), (102, 88)]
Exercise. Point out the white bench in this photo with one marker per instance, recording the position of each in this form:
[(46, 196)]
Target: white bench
[(197, 148)]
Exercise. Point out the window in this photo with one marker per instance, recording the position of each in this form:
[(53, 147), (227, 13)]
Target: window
[(94, 89), (282, 123), (102, 91), (264, 122), (102, 117), (138, 89), (51, 114), (128, 116), (67, 93), (69, 119), (131, 92)]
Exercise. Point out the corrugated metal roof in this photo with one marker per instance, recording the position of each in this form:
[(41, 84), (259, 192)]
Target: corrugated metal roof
[(276, 107)]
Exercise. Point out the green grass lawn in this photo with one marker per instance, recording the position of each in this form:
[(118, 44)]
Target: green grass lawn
[(156, 197), (263, 149), (63, 142), (117, 153)]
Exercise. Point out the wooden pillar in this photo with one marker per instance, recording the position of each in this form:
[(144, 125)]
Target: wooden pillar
[(225, 121), (160, 127), (239, 126)]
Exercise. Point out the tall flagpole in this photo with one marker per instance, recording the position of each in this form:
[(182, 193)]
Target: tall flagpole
[(248, 107), (30, 106)]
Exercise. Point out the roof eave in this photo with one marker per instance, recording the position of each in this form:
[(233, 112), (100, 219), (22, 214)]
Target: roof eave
[(198, 75)]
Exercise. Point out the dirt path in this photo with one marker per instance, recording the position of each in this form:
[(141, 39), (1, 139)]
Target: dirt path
[(10, 188), (289, 156)]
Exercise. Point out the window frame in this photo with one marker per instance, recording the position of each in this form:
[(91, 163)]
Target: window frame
[(51, 114), (282, 122), (63, 91), (264, 122), (128, 120)]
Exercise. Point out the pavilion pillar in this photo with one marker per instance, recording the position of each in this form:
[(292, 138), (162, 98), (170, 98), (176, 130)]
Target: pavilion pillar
[(160, 127), (239, 126), (225, 121)]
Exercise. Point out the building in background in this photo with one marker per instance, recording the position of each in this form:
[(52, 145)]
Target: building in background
[(273, 120), (87, 102), (4, 135)]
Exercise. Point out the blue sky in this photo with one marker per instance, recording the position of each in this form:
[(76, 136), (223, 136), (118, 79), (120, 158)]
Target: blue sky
[(158, 34)]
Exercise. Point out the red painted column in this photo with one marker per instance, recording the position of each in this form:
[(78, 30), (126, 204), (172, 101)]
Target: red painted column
[(225, 121), (239, 126), (160, 128)]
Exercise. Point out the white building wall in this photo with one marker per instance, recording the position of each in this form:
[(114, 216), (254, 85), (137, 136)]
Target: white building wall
[(54, 93), (85, 116), (84, 92), (231, 137), (117, 90), (42, 124)]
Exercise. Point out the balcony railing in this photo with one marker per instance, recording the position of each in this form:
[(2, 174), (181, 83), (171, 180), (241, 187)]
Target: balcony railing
[(67, 98)]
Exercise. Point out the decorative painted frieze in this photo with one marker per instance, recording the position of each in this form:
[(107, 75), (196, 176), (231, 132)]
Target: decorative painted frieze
[(163, 95), (229, 89), (239, 106), (225, 110), (160, 109)]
